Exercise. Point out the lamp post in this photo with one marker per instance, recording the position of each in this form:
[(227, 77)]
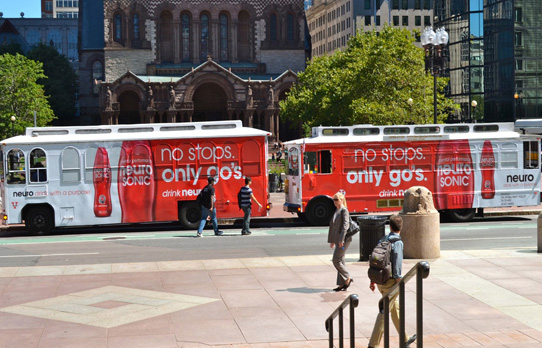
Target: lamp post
[(410, 101), (473, 105), (433, 42), (518, 108), (13, 125)]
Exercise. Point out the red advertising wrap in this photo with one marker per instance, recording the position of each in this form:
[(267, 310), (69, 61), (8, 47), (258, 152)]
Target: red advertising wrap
[(136, 182), (101, 175), (487, 166), (454, 187)]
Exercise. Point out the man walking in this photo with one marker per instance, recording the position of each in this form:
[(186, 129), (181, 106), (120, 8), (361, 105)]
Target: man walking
[(208, 208), (246, 198), (396, 256)]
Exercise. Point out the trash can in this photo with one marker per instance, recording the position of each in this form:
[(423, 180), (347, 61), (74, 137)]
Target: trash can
[(372, 229), (273, 182)]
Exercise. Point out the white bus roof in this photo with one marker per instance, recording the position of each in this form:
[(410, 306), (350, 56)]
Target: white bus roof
[(146, 131), (370, 133), (529, 126)]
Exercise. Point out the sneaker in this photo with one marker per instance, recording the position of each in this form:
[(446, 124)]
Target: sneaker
[(247, 233), (410, 341), (219, 233), (199, 235)]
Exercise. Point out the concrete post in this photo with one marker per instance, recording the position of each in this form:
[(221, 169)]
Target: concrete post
[(539, 233), (421, 225)]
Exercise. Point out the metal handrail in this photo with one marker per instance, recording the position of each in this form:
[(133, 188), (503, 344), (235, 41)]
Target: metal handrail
[(351, 301), (421, 271)]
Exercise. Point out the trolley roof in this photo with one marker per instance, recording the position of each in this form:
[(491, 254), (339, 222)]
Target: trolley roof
[(424, 132), (146, 131)]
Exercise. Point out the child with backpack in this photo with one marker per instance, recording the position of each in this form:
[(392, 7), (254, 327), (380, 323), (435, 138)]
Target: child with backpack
[(385, 267)]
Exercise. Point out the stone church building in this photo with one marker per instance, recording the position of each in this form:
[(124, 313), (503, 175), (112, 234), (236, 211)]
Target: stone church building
[(149, 61)]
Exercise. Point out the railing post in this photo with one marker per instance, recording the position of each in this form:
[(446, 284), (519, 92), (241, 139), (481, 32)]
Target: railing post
[(386, 313), (352, 327), (341, 328), (402, 326)]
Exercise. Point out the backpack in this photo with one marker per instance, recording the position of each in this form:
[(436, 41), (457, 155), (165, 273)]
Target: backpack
[(239, 198), (380, 261), (204, 197)]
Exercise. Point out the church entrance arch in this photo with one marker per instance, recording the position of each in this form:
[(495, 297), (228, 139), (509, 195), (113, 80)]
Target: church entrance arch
[(129, 108), (210, 103)]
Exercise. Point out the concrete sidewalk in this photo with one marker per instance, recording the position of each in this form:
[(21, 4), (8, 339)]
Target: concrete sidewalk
[(471, 299)]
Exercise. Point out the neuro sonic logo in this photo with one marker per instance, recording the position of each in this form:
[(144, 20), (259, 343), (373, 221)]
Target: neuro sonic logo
[(14, 204)]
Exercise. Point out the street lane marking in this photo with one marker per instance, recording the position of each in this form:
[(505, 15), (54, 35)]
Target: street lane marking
[(492, 238), (48, 255)]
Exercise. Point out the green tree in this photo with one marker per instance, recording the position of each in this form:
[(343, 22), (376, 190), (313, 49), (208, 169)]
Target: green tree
[(371, 81), (61, 81), (21, 95)]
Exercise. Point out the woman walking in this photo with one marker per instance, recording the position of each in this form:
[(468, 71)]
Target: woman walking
[(336, 238)]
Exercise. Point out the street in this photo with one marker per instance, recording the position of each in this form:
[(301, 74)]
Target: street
[(166, 243)]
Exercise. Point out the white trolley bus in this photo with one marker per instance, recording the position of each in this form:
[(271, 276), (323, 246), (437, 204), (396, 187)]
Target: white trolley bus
[(95, 175)]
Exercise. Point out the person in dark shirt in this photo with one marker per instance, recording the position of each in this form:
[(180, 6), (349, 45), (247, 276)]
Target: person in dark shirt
[(246, 204), (208, 208)]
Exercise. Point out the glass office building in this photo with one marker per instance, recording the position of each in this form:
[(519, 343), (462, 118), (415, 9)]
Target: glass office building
[(494, 58)]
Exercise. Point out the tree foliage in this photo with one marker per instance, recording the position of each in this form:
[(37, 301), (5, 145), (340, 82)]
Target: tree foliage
[(61, 81), (370, 82), (21, 95)]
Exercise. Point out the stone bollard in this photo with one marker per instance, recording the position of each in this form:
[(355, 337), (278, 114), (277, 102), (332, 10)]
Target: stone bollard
[(421, 225), (539, 233)]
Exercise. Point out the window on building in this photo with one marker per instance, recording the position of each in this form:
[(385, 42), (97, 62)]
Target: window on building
[(273, 27), (243, 36), (290, 27), (185, 36), (136, 26), (417, 4), (395, 21), (404, 6), (519, 64), (418, 21), (223, 37), (395, 5), (518, 39), (378, 20), (518, 14), (367, 20), (367, 5), (117, 27), (427, 21), (97, 76), (427, 4), (204, 39), (405, 21), (48, 6)]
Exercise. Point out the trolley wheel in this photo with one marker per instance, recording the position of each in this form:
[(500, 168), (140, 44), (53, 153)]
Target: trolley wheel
[(319, 211), (39, 220), (190, 215), (461, 215)]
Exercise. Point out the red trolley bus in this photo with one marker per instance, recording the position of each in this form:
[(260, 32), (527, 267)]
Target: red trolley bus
[(466, 166), (96, 175)]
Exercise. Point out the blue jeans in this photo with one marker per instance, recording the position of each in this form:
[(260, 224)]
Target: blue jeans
[(246, 219), (205, 212)]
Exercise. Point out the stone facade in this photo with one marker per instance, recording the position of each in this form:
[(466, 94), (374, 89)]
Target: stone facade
[(213, 53)]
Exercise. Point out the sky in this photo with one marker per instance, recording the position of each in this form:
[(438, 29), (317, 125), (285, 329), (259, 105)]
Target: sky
[(13, 8)]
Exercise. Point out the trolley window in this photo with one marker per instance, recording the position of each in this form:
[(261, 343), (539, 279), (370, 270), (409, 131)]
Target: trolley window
[(71, 166), (318, 162), (38, 166), (293, 161), (16, 167), (530, 154)]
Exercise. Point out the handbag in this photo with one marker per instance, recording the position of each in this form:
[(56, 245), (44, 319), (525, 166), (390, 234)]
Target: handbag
[(352, 229)]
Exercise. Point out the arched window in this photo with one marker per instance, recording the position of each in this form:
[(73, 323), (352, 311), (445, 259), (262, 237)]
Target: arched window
[(38, 166), (71, 166), (273, 27), (243, 35), (290, 29), (136, 26), (117, 28), (204, 44), (185, 36), (223, 37), (97, 76)]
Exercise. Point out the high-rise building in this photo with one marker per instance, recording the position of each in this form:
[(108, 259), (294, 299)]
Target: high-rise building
[(332, 22), (494, 57), (59, 8)]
